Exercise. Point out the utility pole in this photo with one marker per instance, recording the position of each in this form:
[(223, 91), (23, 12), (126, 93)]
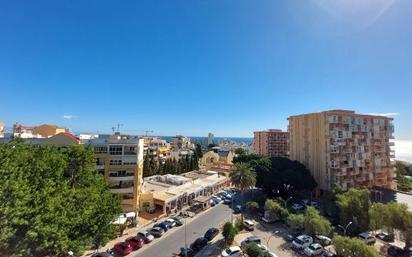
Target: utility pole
[(118, 126)]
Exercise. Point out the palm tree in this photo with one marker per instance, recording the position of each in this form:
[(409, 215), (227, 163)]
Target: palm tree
[(243, 178)]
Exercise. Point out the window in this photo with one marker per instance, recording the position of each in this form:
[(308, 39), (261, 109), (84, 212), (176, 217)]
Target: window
[(116, 162), (115, 149), (100, 149)]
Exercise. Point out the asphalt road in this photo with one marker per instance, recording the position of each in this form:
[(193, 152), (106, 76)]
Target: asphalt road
[(171, 242)]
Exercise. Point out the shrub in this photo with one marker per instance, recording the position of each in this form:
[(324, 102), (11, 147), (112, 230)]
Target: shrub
[(229, 232), (253, 250)]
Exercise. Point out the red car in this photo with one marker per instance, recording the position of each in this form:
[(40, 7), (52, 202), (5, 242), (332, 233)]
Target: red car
[(123, 248), (135, 242)]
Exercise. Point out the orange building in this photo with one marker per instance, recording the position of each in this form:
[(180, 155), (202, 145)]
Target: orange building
[(271, 142)]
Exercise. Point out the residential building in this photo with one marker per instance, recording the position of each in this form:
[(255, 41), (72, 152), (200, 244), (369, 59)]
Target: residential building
[(120, 159), (210, 138), (1, 129), (182, 142), (271, 142), (344, 148), (59, 140), (158, 147), (42, 131), (220, 161)]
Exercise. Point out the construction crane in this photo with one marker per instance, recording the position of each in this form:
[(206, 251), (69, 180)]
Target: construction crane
[(118, 127)]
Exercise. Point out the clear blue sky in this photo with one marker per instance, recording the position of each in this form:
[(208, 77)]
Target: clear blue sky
[(190, 67)]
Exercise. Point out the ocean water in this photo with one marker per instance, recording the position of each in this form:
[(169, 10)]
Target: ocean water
[(239, 140)]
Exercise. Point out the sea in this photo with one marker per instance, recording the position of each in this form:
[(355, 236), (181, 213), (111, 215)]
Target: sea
[(216, 140)]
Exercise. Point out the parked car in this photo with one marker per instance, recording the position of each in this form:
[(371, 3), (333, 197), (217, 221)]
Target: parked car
[(297, 207), (328, 254), (186, 252), (394, 251), (170, 222), (212, 202), (211, 233), (251, 239), (313, 250), (385, 237), (146, 236), (157, 231), (163, 225), (222, 194), (263, 248), (179, 220), (135, 242), (237, 209), (104, 254), (292, 235), (302, 241), (123, 248), (198, 244), (217, 199), (228, 200), (323, 240), (367, 238), (249, 225), (233, 251)]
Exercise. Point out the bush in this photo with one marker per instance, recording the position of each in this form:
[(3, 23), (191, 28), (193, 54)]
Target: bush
[(252, 207), (253, 250), (229, 232), (296, 222), (275, 210), (349, 247), (239, 223)]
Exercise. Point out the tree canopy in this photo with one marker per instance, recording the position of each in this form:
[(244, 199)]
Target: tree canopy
[(311, 221), (350, 247), (52, 201), (279, 176), (353, 207)]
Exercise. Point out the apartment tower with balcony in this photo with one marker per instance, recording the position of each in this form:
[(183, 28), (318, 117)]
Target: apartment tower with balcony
[(120, 159), (271, 142), (343, 148)]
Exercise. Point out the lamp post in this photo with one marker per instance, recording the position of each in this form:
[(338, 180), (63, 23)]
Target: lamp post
[(285, 202), (345, 228), (70, 253), (185, 239)]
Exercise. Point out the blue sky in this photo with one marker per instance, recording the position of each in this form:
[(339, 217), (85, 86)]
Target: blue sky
[(190, 67)]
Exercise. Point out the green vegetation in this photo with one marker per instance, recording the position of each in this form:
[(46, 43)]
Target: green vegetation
[(253, 250), (390, 217), (252, 207), (153, 166), (229, 232), (278, 176), (52, 201), (240, 151), (239, 223), (350, 247), (353, 207), (311, 222), (275, 210), (243, 177), (403, 170)]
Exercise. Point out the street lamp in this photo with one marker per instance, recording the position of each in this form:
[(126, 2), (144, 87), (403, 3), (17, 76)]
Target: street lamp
[(285, 202), (71, 253), (185, 239), (345, 228), (267, 242)]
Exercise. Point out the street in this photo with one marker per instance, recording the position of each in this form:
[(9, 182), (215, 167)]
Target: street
[(174, 239)]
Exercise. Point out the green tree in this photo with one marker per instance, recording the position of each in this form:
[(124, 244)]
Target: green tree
[(275, 210), (198, 151), (146, 166), (229, 232), (239, 223), (354, 207), (316, 224), (243, 177), (252, 207), (296, 222), (350, 247), (240, 151), (253, 250), (52, 201)]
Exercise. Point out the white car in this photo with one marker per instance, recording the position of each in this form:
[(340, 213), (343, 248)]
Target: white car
[(233, 251), (248, 225), (302, 241), (263, 248), (313, 250), (171, 222), (367, 238), (271, 254)]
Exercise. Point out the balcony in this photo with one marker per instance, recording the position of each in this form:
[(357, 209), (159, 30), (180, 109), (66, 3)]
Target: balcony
[(121, 190), (125, 177)]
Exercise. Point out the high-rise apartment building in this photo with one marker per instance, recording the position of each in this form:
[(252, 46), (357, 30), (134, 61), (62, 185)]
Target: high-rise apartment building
[(120, 159), (1, 129), (210, 138), (271, 142), (343, 148)]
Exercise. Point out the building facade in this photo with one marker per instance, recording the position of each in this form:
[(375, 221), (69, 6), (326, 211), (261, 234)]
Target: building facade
[(210, 138), (271, 142), (343, 148), (1, 129), (120, 159)]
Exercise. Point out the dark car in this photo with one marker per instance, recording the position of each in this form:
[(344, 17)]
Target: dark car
[(394, 251), (328, 254), (165, 226), (135, 242), (123, 248), (179, 220), (186, 252), (292, 235), (211, 233), (157, 231), (237, 209), (105, 254), (198, 244), (385, 237)]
